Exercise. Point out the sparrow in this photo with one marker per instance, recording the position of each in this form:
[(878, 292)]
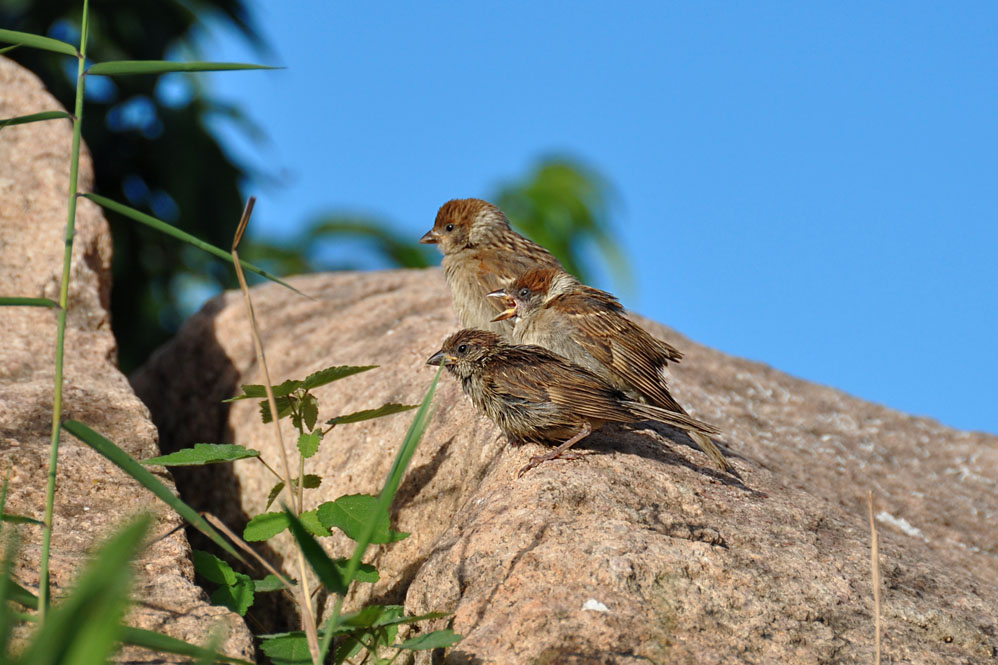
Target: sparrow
[(481, 254), (535, 395), (552, 309)]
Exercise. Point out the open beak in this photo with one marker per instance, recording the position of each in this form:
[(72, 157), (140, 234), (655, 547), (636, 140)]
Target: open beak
[(440, 358), (429, 238), (507, 302)]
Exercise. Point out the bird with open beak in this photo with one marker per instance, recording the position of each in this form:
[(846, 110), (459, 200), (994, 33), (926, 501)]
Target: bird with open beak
[(481, 254), (535, 395), (552, 309)]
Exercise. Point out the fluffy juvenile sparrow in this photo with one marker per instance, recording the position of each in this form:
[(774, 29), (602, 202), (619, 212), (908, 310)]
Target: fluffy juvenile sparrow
[(535, 395), (550, 308), (481, 254)]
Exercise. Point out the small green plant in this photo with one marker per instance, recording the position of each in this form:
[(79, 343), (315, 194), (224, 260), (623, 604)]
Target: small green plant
[(361, 517), (85, 626)]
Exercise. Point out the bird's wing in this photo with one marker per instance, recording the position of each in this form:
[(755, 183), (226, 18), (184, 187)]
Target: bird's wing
[(497, 269), (626, 349), (534, 374)]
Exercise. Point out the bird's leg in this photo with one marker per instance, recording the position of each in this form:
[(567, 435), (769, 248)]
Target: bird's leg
[(560, 451)]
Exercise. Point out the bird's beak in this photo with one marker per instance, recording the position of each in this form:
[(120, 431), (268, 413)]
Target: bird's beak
[(507, 302), (429, 238), (440, 358)]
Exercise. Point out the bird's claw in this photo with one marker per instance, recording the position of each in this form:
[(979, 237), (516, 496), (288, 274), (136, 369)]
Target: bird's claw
[(540, 459)]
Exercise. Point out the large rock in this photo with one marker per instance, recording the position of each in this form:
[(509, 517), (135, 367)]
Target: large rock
[(94, 497), (640, 552)]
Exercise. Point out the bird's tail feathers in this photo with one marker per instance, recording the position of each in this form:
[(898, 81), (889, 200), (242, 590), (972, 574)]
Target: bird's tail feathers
[(680, 420)]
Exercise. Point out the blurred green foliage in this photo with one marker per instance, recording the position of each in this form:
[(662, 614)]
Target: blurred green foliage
[(153, 148)]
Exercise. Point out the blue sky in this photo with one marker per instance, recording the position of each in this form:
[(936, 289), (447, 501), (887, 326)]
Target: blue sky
[(814, 186)]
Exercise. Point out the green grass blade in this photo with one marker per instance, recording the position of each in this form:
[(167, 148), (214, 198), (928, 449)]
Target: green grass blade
[(402, 459), (317, 558), (173, 231), (158, 642), (22, 596), (37, 41), (132, 467), (34, 117), (18, 301), (84, 627), (125, 67), (19, 519)]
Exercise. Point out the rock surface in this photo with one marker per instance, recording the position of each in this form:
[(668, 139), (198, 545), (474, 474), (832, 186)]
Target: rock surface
[(640, 552), (93, 496)]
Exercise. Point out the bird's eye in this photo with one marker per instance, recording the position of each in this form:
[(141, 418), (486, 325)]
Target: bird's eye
[(449, 228), (524, 292), (462, 349)]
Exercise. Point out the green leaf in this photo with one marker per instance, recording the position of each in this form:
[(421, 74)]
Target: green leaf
[(256, 390), (330, 374), (373, 616), (84, 627), (311, 482), (386, 410), (265, 526), (309, 410), (37, 41), (353, 513), (159, 642), (275, 491), (132, 467), (20, 519), (123, 67), (436, 640), (204, 453), (267, 584), (17, 301), (173, 231), (23, 120), (310, 519), (365, 571), (317, 558), (308, 444), (212, 568), (283, 405), (287, 649), (237, 597), (402, 459)]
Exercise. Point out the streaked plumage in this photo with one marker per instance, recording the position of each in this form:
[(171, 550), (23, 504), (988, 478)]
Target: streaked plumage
[(550, 308), (532, 394)]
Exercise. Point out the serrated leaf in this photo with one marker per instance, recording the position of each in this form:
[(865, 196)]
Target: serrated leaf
[(365, 571), (310, 519), (287, 649), (330, 374), (23, 120), (204, 453), (212, 568), (438, 639), (37, 41), (308, 444), (373, 615), (386, 410), (275, 491), (128, 67), (283, 409), (351, 513), (238, 597), (267, 584), (265, 526), (309, 411), (256, 390)]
